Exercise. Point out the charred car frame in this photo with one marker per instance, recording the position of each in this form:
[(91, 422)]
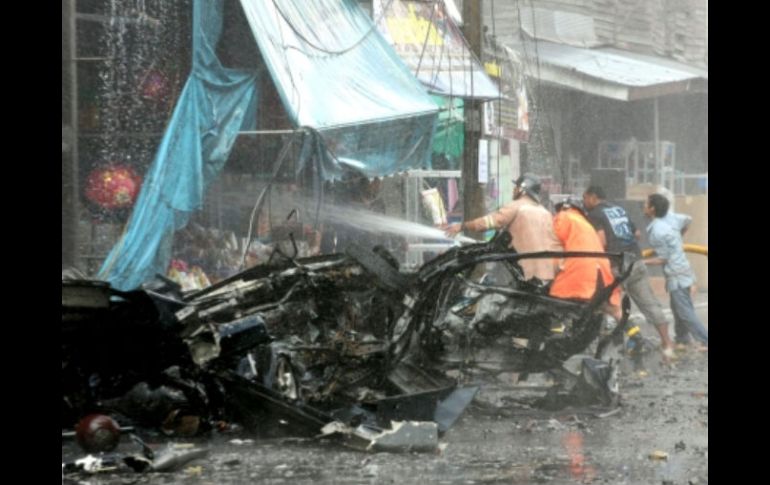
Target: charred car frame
[(343, 337)]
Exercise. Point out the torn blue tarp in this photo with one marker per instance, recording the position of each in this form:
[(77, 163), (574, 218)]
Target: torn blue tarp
[(331, 66), (214, 105), (335, 73)]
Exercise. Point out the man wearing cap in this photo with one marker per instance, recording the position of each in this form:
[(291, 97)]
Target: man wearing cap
[(528, 223)]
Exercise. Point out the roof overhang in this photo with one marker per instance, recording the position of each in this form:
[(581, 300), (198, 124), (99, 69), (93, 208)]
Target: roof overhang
[(612, 73)]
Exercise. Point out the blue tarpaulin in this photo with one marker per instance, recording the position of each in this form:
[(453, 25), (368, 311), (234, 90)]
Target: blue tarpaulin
[(334, 73), (331, 66), (214, 105)]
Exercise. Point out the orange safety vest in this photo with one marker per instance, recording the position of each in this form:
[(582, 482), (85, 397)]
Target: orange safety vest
[(577, 278)]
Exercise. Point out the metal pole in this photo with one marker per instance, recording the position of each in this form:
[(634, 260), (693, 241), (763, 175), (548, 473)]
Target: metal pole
[(658, 168), (473, 195), (73, 132)]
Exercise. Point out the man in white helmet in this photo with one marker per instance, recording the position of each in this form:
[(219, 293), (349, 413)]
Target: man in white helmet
[(529, 224)]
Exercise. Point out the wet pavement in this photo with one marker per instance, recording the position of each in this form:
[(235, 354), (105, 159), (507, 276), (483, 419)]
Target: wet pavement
[(658, 436)]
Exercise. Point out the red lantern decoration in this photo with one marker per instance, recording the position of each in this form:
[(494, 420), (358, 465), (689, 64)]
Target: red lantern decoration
[(113, 187)]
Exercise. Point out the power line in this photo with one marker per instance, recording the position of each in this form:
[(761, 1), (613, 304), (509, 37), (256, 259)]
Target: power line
[(323, 49), (427, 36), (539, 128)]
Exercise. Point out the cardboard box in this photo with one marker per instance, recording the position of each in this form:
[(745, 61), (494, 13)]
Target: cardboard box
[(697, 207)]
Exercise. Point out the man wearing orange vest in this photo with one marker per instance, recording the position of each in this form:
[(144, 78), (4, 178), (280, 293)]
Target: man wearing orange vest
[(577, 278)]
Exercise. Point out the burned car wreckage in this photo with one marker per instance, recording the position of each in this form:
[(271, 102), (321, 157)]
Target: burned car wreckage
[(344, 338)]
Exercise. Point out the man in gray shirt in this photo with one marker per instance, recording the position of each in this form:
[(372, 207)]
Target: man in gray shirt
[(665, 238)]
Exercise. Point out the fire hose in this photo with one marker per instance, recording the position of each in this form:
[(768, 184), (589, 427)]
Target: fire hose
[(688, 248)]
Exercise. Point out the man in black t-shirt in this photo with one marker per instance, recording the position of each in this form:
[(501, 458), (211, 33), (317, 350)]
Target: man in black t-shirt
[(618, 234)]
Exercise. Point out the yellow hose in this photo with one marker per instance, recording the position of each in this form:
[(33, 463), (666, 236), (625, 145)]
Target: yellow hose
[(688, 248)]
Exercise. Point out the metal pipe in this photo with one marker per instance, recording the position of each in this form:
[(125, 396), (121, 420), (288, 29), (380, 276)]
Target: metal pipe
[(74, 153), (656, 128), (269, 132)]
